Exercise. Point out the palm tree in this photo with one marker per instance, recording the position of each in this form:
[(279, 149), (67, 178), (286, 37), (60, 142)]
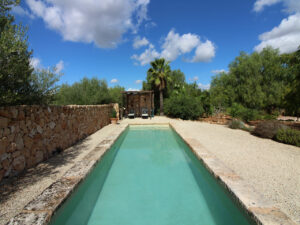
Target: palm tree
[(159, 74)]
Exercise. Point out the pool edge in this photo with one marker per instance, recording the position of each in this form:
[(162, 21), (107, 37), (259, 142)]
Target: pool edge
[(263, 212)]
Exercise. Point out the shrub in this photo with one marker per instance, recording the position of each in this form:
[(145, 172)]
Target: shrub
[(238, 124), (184, 107), (268, 129), (113, 113), (288, 136), (239, 111)]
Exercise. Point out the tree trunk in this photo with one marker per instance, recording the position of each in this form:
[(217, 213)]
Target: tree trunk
[(161, 101)]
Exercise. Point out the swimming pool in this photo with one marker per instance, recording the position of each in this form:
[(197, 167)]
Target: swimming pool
[(150, 177)]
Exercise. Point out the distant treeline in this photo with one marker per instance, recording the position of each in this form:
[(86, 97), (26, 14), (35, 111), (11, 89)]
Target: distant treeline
[(257, 86)]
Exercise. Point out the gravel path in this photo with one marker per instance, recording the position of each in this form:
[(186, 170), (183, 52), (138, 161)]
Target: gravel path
[(272, 168)]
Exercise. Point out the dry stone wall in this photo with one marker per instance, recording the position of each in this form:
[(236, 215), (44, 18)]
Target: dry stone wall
[(31, 134)]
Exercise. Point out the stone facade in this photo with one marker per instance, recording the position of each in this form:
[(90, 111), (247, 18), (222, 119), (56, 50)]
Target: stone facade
[(137, 101), (31, 134)]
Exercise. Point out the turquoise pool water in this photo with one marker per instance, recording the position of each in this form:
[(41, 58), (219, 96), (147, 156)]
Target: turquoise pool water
[(150, 177)]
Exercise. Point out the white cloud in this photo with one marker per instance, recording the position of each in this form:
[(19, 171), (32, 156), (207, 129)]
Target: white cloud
[(175, 45), (195, 78), (59, 66), (35, 63), (147, 56), (132, 89), (291, 6), (113, 81), (205, 52), (218, 71), (286, 36), (92, 21), (204, 86), (138, 81), (260, 4), (140, 42)]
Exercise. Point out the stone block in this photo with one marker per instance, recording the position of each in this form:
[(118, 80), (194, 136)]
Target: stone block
[(39, 156), (12, 147), (28, 141), (3, 144), (19, 163), (19, 142), (3, 122)]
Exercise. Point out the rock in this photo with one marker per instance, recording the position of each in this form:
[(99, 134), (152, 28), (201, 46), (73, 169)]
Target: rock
[(2, 172), (22, 125), (12, 129), (3, 144), (52, 125), (8, 172), (19, 163), (39, 156), (39, 129), (32, 132), (3, 122), (14, 113), (16, 154), (4, 113), (6, 131), (28, 141), (12, 147), (21, 115), (19, 142), (5, 164)]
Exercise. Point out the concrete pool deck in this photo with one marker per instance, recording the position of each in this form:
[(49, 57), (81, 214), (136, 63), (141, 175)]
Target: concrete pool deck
[(255, 170)]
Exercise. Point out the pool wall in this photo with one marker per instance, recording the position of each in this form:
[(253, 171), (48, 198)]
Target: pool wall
[(41, 209)]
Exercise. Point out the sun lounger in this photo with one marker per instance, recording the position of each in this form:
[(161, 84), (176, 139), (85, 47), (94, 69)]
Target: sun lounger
[(131, 114), (145, 114)]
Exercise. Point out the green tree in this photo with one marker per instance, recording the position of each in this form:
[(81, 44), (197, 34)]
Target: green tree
[(116, 94), (159, 75), (44, 86), (293, 96), (177, 82), (88, 92), (15, 69), (256, 81)]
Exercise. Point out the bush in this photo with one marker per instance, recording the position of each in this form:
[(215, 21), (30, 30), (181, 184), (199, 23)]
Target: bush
[(239, 111), (184, 107), (288, 136), (238, 124), (268, 129), (113, 113)]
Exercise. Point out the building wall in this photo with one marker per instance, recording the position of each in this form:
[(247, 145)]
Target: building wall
[(138, 102), (31, 134)]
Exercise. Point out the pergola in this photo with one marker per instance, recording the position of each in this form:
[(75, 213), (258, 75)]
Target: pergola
[(136, 101)]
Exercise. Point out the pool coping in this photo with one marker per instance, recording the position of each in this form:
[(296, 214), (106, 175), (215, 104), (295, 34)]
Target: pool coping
[(40, 210)]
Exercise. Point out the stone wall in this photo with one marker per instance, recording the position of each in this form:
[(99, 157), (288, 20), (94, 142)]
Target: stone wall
[(31, 134)]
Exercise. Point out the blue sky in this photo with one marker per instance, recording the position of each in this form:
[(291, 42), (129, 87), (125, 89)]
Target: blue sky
[(116, 39)]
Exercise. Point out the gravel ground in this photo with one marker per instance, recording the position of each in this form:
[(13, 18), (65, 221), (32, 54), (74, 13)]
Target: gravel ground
[(15, 193), (272, 168)]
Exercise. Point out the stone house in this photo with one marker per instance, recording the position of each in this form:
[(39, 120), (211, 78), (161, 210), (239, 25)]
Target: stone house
[(138, 101)]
